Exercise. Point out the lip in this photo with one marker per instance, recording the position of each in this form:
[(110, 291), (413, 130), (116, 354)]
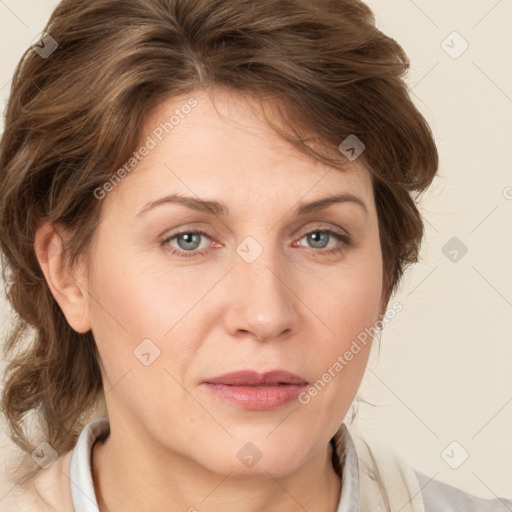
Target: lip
[(253, 378), (258, 392)]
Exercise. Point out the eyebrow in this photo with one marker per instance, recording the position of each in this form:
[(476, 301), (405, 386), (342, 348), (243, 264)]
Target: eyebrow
[(219, 208)]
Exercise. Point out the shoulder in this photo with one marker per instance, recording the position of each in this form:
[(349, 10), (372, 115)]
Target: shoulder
[(48, 491), (65, 483), (388, 482), (440, 497)]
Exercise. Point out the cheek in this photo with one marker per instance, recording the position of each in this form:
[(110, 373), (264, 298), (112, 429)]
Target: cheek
[(341, 359), (138, 295), (350, 300), (138, 298), (132, 312), (349, 306)]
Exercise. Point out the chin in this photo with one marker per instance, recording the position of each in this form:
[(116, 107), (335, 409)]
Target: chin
[(260, 471), (260, 460)]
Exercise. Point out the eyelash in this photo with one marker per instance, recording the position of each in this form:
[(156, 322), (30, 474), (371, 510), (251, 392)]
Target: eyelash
[(345, 239)]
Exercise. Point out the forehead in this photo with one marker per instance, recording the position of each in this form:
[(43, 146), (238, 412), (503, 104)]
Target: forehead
[(223, 146)]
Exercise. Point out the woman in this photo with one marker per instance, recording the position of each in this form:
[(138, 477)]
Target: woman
[(207, 208)]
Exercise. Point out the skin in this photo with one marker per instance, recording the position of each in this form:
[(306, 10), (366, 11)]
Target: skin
[(173, 445)]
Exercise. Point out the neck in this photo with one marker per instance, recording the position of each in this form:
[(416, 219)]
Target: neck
[(132, 480)]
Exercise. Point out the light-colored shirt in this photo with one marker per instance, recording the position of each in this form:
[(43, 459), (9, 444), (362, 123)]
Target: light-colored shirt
[(372, 481)]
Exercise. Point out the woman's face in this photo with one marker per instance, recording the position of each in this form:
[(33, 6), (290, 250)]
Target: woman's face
[(262, 289)]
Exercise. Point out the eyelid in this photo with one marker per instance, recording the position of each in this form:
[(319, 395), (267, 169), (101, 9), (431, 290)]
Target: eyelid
[(319, 227)]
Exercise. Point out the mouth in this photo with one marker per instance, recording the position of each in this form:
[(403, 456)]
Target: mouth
[(258, 392)]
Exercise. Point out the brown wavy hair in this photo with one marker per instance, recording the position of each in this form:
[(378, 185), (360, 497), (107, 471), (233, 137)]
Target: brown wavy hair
[(75, 117)]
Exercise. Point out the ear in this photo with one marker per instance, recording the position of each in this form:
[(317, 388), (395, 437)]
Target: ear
[(70, 294)]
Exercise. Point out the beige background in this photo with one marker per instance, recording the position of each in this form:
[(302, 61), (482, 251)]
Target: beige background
[(444, 372)]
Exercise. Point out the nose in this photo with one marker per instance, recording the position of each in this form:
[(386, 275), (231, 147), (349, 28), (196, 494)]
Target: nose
[(261, 302)]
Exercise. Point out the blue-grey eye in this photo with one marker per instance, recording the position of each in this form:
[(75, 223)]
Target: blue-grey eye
[(318, 239), (191, 241)]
